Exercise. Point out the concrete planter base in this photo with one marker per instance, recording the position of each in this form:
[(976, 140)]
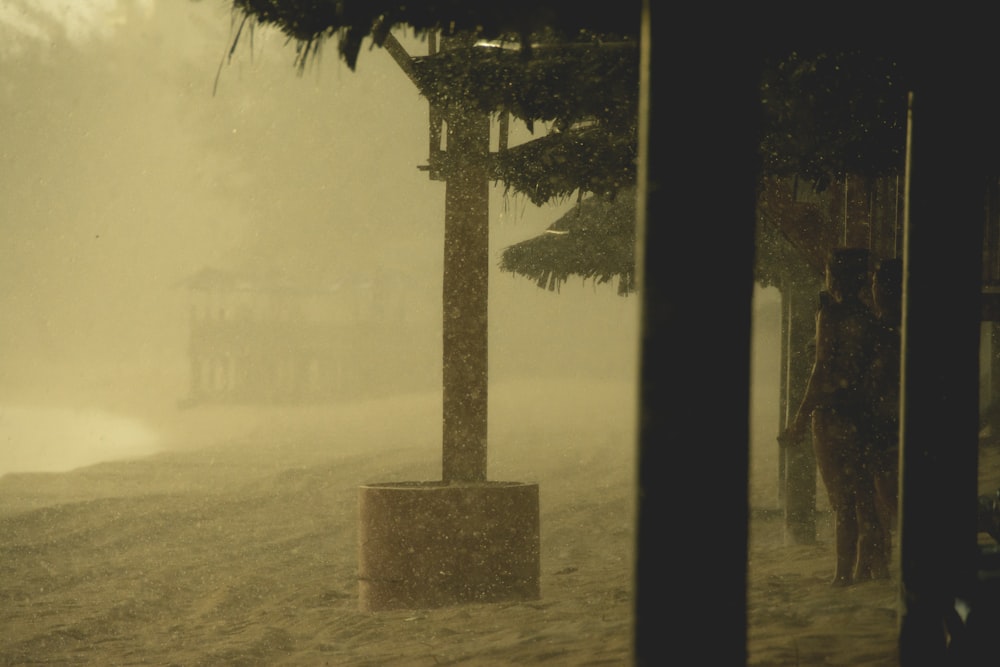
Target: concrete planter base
[(434, 544)]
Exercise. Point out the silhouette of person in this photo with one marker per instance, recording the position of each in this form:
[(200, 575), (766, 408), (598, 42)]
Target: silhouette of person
[(835, 403), (883, 391)]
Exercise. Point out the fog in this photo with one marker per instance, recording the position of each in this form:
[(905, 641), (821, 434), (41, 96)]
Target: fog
[(165, 196), (765, 415), (136, 151)]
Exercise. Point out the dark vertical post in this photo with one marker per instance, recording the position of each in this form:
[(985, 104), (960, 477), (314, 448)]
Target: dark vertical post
[(799, 301), (941, 320), (465, 291), (696, 287)]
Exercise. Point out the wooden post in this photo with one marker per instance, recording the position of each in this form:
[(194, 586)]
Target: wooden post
[(466, 279), (466, 288), (463, 539), (799, 304)]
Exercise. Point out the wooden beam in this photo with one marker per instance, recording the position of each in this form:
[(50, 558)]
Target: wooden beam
[(400, 55)]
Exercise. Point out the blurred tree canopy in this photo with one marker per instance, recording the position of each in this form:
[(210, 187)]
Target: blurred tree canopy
[(829, 115)]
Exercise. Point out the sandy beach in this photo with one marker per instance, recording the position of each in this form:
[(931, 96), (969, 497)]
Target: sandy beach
[(243, 551), (794, 616)]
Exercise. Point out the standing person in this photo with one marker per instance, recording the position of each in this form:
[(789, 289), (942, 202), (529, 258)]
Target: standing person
[(834, 402), (884, 383)]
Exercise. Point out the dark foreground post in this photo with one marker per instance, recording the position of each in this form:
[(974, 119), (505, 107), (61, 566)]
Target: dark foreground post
[(697, 287), (941, 320)]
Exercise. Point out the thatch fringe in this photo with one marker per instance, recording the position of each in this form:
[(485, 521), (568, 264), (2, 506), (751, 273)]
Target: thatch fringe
[(555, 166), (350, 21), (595, 240)]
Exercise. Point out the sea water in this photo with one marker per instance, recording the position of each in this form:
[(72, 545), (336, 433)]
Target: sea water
[(45, 439)]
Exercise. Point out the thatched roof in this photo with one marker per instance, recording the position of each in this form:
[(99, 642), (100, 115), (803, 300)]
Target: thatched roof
[(311, 22), (594, 240), (553, 167), (575, 66), (587, 90), (585, 83), (559, 81)]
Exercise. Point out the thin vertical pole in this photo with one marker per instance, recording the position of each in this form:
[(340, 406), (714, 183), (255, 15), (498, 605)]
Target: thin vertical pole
[(800, 460)]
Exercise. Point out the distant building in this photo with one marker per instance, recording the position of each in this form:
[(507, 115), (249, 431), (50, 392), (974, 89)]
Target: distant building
[(256, 339)]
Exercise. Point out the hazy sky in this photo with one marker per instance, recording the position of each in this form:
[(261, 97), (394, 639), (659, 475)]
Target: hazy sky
[(121, 174), (26, 24)]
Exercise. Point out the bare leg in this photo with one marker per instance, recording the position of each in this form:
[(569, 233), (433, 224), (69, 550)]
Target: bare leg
[(835, 445), (873, 560), (886, 483), (846, 534)]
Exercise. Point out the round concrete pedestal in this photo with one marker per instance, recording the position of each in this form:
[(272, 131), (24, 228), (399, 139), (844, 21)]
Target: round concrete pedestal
[(433, 544)]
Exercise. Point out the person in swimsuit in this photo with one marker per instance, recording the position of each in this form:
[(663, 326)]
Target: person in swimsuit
[(834, 403)]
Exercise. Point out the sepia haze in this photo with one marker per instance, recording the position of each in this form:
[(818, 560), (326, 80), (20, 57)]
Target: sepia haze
[(138, 151), (142, 524)]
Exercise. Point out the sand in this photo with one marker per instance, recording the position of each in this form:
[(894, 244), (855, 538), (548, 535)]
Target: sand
[(794, 616), (245, 551), (238, 546)]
